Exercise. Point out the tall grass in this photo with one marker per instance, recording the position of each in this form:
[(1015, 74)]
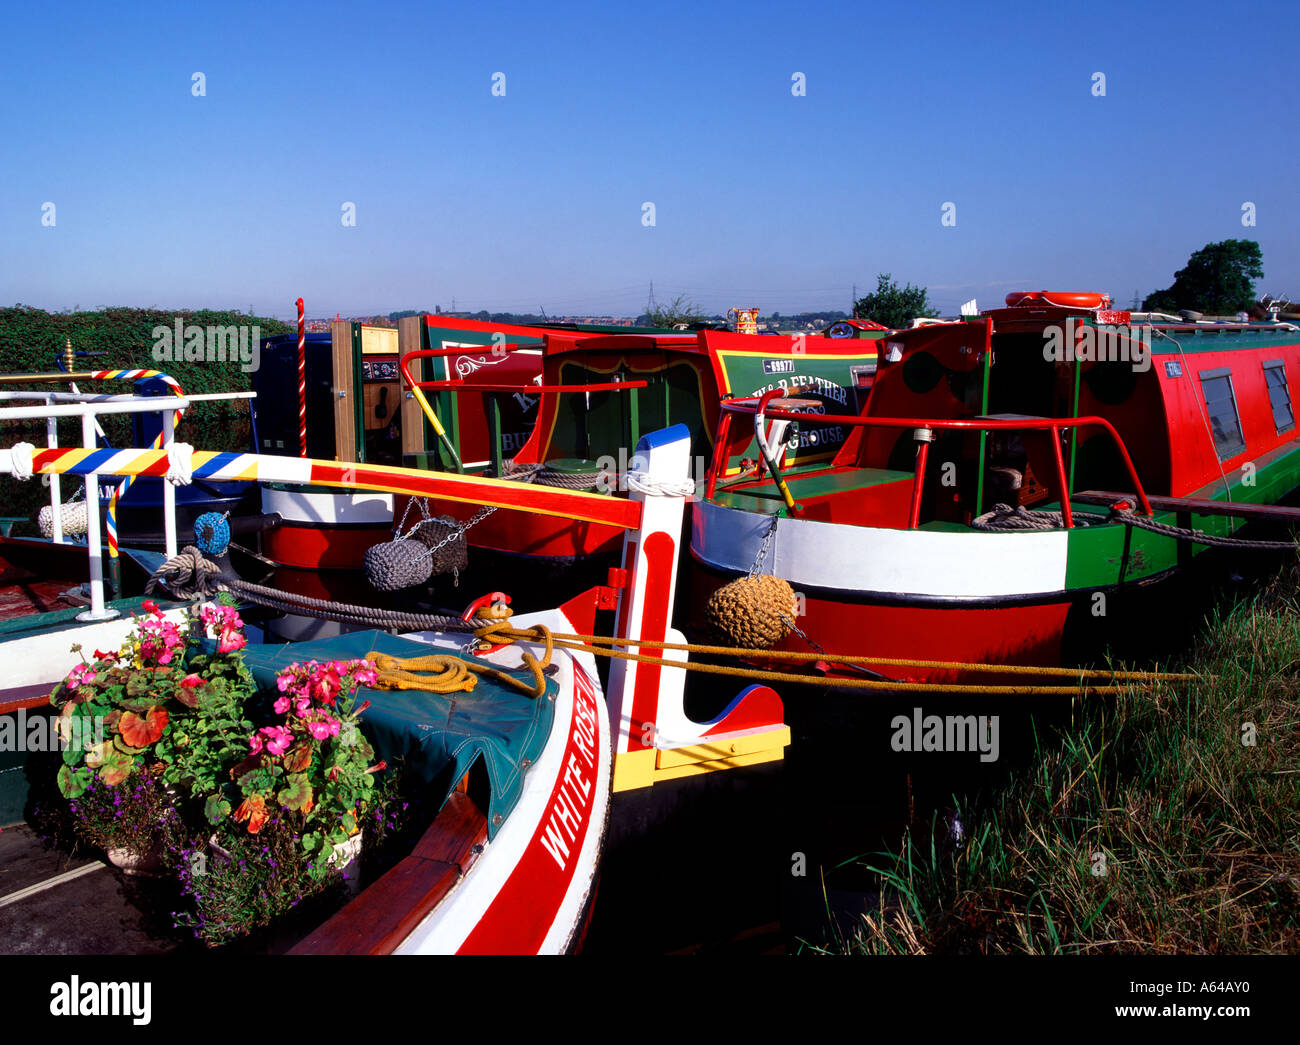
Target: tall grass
[(1150, 826)]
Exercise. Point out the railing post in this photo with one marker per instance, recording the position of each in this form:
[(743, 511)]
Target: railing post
[(169, 491), (56, 489), (924, 437), (97, 611), (719, 451), (1054, 433)]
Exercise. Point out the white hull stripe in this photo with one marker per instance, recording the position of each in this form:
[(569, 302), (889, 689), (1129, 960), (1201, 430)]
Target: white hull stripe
[(874, 560), (361, 507)]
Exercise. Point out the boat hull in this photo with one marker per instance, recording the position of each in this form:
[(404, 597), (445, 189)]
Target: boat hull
[(530, 890), (325, 529)]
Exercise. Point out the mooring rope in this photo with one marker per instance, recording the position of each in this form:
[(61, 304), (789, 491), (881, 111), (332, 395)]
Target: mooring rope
[(190, 575), (1003, 517)]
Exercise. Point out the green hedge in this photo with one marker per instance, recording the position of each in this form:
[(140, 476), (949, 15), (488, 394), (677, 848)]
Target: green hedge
[(31, 339)]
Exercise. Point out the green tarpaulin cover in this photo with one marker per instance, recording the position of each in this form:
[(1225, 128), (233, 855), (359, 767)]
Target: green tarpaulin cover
[(436, 736)]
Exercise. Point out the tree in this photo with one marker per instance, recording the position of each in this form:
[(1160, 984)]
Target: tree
[(894, 306), (1218, 279), (680, 310)]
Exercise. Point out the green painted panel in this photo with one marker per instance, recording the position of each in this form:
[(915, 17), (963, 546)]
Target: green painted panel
[(1098, 555), (753, 374)]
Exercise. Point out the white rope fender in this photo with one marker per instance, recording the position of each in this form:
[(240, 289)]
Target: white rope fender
[(22, 460), (643, 483), (180, 470)]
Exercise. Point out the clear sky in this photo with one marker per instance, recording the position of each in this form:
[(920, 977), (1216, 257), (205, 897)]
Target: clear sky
[(234, 199)]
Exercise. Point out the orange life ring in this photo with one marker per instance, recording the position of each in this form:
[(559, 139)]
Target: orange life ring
[(1059, 298)]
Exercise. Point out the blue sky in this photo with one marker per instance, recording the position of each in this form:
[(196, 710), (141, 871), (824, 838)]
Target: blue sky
[(535, 198)]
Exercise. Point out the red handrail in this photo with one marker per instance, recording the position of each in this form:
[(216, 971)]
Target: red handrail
[(1053, 424), (461, 386), (464, 386)]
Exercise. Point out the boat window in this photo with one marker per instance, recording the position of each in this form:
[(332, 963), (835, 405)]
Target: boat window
[(1279, 395), (1225, 423)]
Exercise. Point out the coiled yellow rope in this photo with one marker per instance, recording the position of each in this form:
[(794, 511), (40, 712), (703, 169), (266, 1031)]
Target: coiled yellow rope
[(448, 673)]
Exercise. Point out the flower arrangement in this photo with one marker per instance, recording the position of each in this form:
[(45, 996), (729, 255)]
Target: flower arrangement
[(164, 705), (313, 766), (132, 817), (258, 804)]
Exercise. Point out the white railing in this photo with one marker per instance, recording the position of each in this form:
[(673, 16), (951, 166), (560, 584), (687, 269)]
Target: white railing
[(53, 405)]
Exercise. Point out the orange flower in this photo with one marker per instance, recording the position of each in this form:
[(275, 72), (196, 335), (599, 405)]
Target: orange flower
[(141, 731), (252, 809)]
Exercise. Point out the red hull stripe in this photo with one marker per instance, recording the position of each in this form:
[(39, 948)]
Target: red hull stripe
[(588, 507), (524, 909), (659, 550)]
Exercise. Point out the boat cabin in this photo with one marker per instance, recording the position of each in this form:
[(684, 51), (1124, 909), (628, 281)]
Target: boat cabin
[(1028, 404)]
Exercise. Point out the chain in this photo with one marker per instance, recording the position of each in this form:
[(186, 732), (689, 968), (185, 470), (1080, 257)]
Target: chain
[(763, 549), (805, 636), (827, 653), (425, 517)]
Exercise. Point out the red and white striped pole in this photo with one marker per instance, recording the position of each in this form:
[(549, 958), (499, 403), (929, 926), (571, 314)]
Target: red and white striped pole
[(302, 381)]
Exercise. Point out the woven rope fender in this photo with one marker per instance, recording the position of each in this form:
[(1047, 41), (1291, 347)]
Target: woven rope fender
[(445, 555), (74, 519), (748, 612), (424, 553)]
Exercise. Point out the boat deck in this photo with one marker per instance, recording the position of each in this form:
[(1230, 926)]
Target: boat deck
[(24, 593)]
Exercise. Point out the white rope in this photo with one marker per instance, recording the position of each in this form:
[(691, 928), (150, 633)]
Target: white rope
[(180, 471), (642, 482), (22, 460)]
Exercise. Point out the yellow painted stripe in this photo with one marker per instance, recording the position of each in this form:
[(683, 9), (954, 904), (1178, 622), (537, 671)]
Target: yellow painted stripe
[(726, 748), (737, 762), (804, 355), (632, 770)]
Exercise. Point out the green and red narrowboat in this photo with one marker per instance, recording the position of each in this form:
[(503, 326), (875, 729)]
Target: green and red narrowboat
[(600, 392), (973, 508), (356, 411)]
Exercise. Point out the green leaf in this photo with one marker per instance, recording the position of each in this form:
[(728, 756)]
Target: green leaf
[(216, 809), (298, 795), (72, 782)]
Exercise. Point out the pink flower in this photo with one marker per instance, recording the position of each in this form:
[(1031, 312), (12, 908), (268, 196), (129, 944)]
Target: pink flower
[(323, 726), (231, 640), (301, 706), (255, 744), (278, 739), (281, 705), (193, 681), (81, 675)]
